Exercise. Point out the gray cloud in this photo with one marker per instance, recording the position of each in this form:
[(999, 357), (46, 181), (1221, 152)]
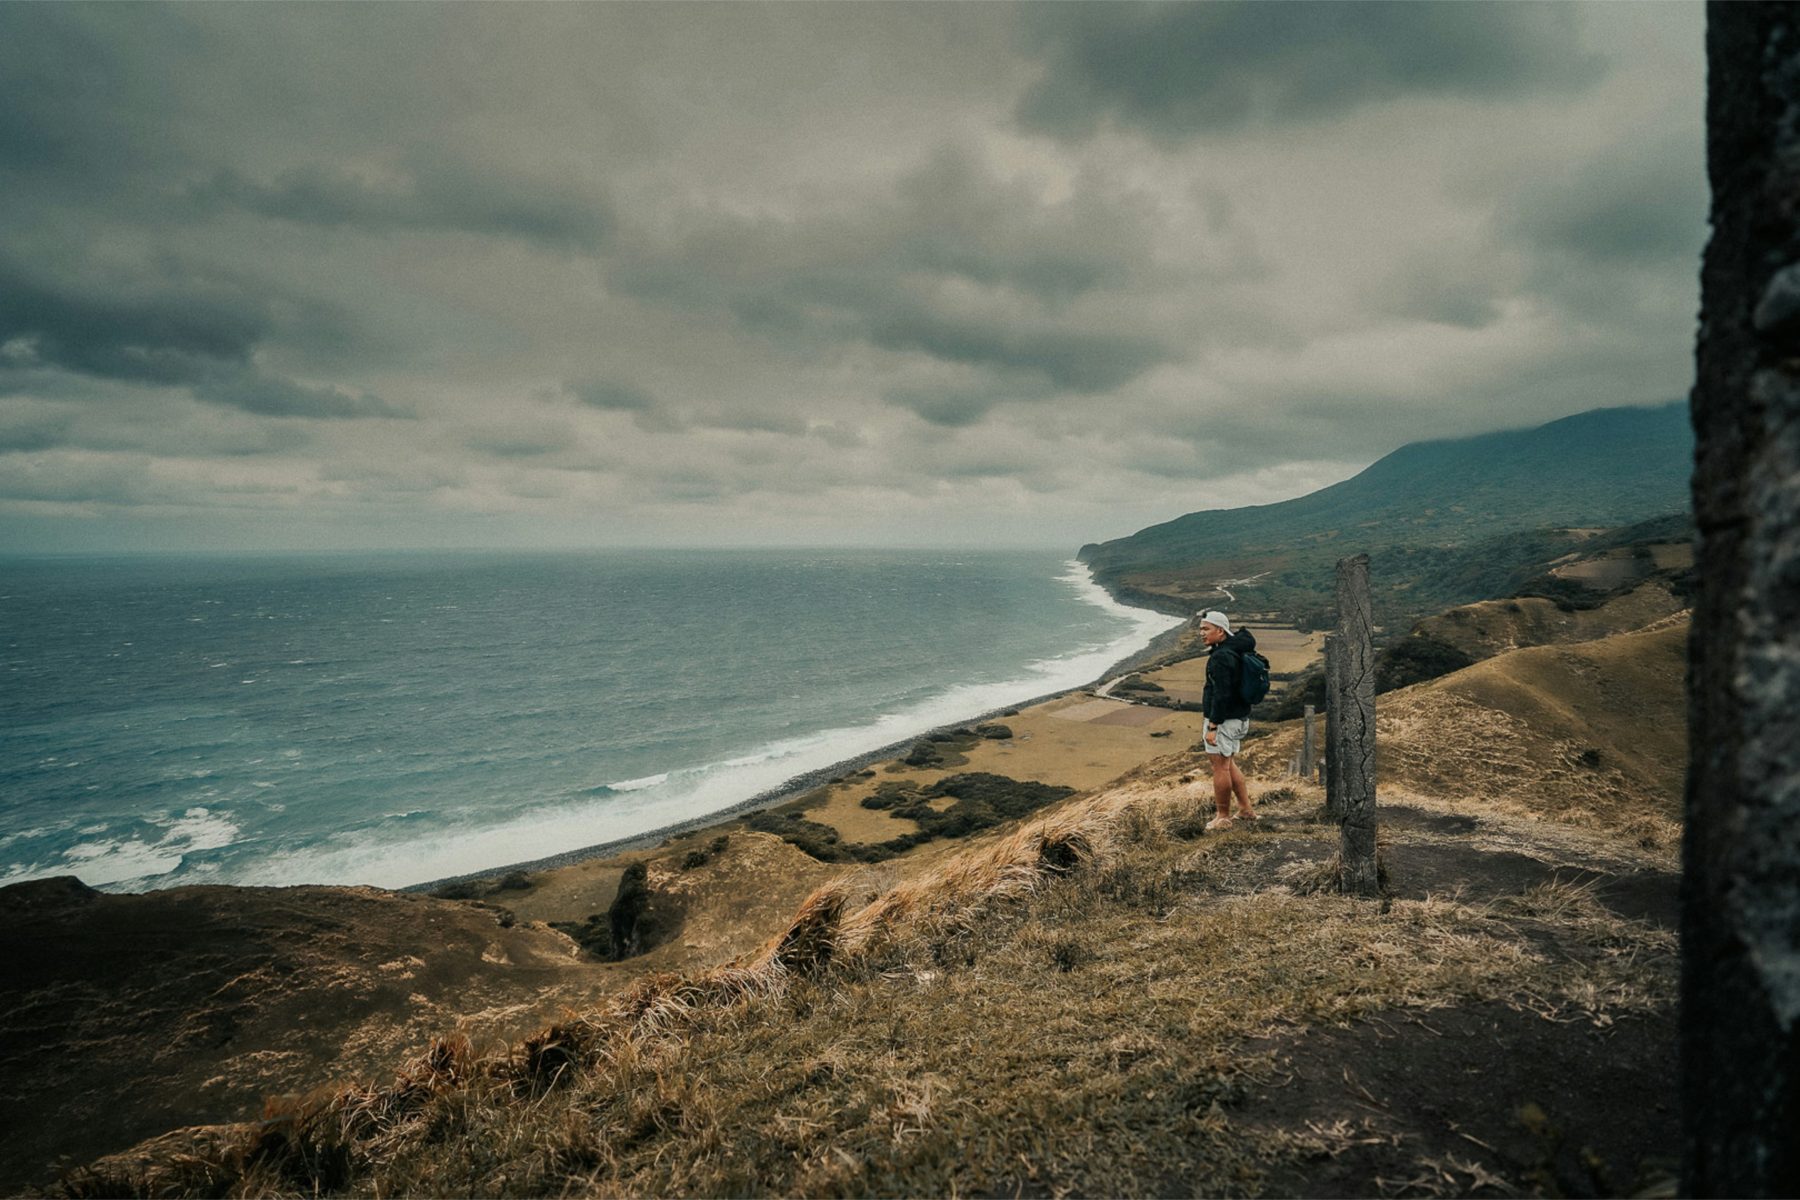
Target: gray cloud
[(56, 411), (168, 327), (25, 436), (837, 435), (756, 422), (1077, 360), (953, 265), (502, 445), (1635, 205), (950, 217), (173, 329), (86, 480), (269, 396), (947, 406), (81, 97), (1176, 71), (619, 395), (433, 192), (816, 273), (615, 395), (1447, 291), (372, 475)]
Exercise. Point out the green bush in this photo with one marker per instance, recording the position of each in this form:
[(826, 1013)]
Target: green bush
[(1414, 659), (981, 801), (923, 754), (819, 840)]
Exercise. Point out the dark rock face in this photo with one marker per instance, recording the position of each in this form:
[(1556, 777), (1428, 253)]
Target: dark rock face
[(628, 912), (45, 895), (1741, 888)]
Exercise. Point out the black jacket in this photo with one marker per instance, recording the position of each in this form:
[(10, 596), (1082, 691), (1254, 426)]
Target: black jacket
[(1220, 700)]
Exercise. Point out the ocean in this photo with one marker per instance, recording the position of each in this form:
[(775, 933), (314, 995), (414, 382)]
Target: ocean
[(394, 719)]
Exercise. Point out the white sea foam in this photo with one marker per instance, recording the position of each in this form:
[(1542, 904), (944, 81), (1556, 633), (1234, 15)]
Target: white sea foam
[(34, 832), (636, 806), (131, 863), (638, 785), (201, 829)]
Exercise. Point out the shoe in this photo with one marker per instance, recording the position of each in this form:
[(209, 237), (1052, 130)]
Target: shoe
[(1247, 816), (1218, 823)]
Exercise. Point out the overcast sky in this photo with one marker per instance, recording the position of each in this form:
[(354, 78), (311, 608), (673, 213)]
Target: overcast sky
[(321, 276)]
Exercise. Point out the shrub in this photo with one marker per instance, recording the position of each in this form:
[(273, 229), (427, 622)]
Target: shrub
[(1010, 797), (891, 794), (923, 754), (819, 840), (1414, 659)]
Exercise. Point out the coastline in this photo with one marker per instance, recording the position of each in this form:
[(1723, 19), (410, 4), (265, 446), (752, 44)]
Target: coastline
[(798, 784)]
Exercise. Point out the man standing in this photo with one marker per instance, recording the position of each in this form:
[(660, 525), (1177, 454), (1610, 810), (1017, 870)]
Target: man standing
[(1227, 715)]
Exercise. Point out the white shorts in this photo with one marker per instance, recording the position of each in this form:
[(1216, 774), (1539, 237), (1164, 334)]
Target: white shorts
[(1230, 735)]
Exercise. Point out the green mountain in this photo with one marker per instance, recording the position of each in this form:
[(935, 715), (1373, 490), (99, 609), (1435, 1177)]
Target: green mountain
[(1429, 515)]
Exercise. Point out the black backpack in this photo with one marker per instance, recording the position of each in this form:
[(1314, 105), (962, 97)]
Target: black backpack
[(1253, 677)]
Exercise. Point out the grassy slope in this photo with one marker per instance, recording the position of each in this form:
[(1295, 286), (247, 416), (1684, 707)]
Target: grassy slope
[(1435, 516), (198, 1002), (1102, 1002), (1489, 627)]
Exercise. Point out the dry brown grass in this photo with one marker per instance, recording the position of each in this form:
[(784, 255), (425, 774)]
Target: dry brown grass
[(1589, 738), (1039, 1013)]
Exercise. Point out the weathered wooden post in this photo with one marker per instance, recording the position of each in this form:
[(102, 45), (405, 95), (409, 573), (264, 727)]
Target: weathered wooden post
[(1740, 922), (1308, 753), (1352, 753), (1328, 769)]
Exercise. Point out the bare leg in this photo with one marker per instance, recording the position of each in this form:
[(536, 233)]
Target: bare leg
[(1222, 784), (1241, 788)]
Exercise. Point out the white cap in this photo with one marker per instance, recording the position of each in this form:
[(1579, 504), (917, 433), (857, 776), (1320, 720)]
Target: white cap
[(1214, 617)]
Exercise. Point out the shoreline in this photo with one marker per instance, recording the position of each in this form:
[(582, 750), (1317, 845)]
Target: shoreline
[(796, 785)]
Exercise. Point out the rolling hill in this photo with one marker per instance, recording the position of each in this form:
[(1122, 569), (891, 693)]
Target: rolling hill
[(1432, 515)]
